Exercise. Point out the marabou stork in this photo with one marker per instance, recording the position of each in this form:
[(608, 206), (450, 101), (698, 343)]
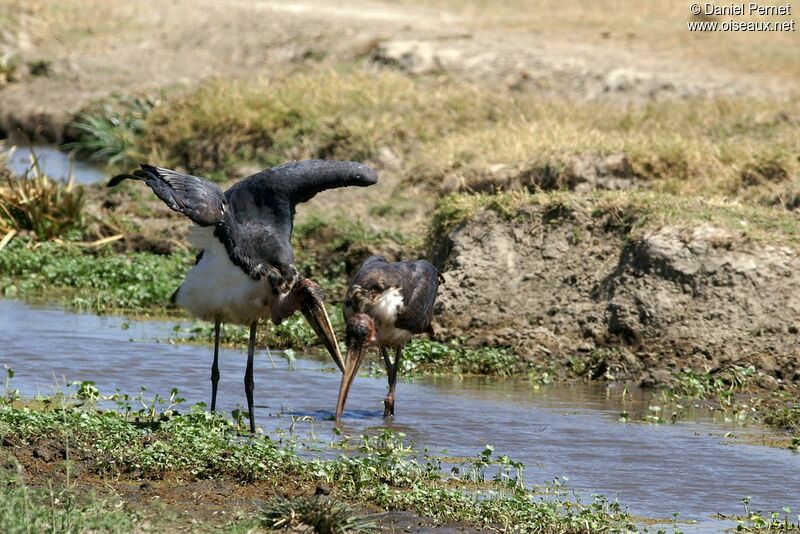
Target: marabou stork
[(245, 268), (386, 304)]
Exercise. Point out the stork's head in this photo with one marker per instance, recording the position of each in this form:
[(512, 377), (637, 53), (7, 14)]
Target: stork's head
[(361, 334), (360, 330)]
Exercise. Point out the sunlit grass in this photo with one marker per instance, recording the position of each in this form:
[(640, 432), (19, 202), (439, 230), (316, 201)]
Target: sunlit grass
[(733, 147), (455, 136), (36, 203), (341, 114), (634, 212)]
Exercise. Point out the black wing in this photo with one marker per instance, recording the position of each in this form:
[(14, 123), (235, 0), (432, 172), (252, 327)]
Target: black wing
[(197, 198), (302, 180), (418, 282), (262, 207)]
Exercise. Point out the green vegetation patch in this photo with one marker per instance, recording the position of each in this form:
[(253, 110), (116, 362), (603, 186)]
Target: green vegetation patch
[(110, 131), (28, 510), (91, 279), (383, 470), (484, 491), (423, 356), (630, 212)]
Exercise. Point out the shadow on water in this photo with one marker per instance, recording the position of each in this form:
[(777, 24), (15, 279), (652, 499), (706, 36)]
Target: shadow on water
[(561, 431), (54, 163)]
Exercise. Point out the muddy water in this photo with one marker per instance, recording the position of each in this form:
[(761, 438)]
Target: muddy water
[(557, 431), (54, 163)]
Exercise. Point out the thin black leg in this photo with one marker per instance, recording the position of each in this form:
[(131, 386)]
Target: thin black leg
[(391, 372), (386, 360), (248, 375), (215, 366)]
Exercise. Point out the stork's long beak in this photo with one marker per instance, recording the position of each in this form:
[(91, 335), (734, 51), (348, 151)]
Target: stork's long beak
[(314, 311), (355, 353)]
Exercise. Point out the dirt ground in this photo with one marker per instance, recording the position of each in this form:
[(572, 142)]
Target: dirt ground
[(93, 51), (559, 281)]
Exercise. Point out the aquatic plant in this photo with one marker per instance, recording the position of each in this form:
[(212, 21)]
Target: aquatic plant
[(757, 521), (723, 382), (429, 356), (94, 279)]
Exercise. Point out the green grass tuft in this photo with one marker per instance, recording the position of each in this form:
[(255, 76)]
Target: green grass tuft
[(27, 510), (319, 514), (111, 131)]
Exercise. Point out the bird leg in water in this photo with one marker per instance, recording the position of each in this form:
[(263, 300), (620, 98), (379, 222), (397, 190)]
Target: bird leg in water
[(391, 372), (215, 366), (248, 375), (306, 296)]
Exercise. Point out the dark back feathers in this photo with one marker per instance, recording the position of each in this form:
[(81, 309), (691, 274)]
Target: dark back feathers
[(418, 282)]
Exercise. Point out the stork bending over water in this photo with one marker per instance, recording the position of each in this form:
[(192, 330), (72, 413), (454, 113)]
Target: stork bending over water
[(245, 269), (387, 304)]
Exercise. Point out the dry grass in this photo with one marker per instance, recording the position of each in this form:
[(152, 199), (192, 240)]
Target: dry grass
[(633, 212), (745, 149), (741, 148), (38, 204), (53, 24), (343, 113)]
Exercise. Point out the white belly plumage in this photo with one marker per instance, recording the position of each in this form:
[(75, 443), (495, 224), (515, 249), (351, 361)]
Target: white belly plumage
[(215, 287), (384, 313)]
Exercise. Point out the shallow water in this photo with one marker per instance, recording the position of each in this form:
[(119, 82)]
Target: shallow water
[(54, 163), (557, 431)]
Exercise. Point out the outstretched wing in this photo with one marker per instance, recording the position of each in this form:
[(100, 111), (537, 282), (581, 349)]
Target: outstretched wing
[(302, 180), (197, 198), (263, 206)]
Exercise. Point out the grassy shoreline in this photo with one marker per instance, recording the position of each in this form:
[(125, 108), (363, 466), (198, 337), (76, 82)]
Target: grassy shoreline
[(138, 285), (102, 462), (385, 473)]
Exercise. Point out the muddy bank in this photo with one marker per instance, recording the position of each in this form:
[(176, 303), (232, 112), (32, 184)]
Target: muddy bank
[(555, 281)]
